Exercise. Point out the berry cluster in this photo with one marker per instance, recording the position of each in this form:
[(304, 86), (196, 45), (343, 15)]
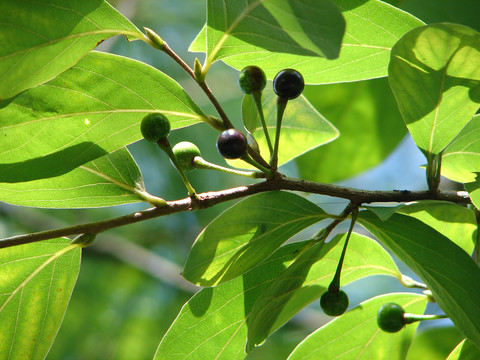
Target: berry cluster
[(288, 84)]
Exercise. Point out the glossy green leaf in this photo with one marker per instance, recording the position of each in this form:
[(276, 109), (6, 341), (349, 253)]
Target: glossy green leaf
[(303, 127), (461, 159), (373, 27), (466, 350), (434, 343), (305, 28), (434, 75), (42, 39), (36, 282), (112, 179), (212, 324), (308, 278), (370, 125), (454, 221), (247, 233), (88, 111), (447, 270), (355, 334)]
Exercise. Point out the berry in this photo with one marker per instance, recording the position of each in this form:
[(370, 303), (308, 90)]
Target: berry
[(288, 84), (155, 127), (232, 144), (252, 78), (390, 318), (185, 152), (334, 303)]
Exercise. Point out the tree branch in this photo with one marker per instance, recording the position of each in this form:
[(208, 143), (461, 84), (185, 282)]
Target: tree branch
[(212, 198)]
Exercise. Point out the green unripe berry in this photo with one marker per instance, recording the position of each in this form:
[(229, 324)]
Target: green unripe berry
[(155, 127), (334, 303), (390, 318), (185, 152), (252, 78)]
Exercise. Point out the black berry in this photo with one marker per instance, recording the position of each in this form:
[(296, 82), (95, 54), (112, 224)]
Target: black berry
[(232, 144), (288, 84), (155, 127), (252, 78), (185, 152), (334, 303), (390, 318)]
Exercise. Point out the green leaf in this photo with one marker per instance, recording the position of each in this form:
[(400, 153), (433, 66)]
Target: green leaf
[(110, 180), (36, 282), (447, 270), (454, 221), (434, 75), (303, 127), (461, 159), (370, 125), (473, 189), (373, 27), (434, 343), (88, 111), (246, 234), (355, 334), (212, 324), (44, 38), (466, 350), (308, 278), (275, 27), (459, 12)]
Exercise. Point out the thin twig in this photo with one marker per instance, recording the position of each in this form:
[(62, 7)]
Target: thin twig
[(212, 198), (203, 85)]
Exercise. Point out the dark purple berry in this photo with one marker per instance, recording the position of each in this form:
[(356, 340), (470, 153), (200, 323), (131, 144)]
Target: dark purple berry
[(288, 84), (232, 144)]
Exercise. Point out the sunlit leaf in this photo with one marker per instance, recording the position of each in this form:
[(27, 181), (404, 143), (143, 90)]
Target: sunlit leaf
[(355, 334), (308, 278), (461, 159), (303, 127), (447, 270), (247, 233), (466, 350), (36, 282), (373, 27), (434, 75), (88, 111), (454, 221), (369, 123), (434, 343), (212, 324), (112, 179), (42, 39), (306, 28)]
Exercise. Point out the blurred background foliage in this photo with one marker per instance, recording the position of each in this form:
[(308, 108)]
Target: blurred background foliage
[(130, 289)]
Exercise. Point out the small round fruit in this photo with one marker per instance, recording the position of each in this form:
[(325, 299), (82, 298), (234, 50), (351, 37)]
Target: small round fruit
[(155, 127), (232, 144), (185, 152), (390, 318), (288, 84), (334, 303), (252, 78)]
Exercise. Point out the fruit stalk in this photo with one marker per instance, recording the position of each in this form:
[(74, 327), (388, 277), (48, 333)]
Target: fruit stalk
[(281, 105)]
